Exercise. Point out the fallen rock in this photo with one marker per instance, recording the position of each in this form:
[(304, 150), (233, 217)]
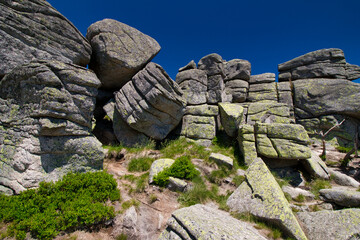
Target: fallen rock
[(151, 102), (340, 196), (296, 192), (319, 97), (282, 141), (331, 225), (193, 83), (261, 196), (316, 167), (34, 30), (158, 166), (119, 52), (343, 179), (222, 159), (176, 184), (203, 222), (46, 110), (231, 117)]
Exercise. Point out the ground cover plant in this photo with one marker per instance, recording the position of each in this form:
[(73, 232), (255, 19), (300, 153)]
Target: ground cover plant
[(75, 202)]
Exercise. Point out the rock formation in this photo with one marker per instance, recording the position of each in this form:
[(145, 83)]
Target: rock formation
[(46, 119), (34, 30), (119, 52)]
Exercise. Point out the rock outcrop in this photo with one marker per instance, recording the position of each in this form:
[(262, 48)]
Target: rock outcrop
[(204, 222), (261, 196), (34, 30), (341, 197), (331, 225), (119, 52), (324, 63), (46, 110), (151, 103)]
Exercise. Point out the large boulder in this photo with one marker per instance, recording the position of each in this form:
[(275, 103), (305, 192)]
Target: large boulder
[(319, 97), (151, 103), (340, 196), (33, 29), (46, 110), (237, 69), (204, 222), (316, 167), (324, 63), (282, 141), (331, 225), (119, 52), (261, 196), (268, 112), (198, 127)]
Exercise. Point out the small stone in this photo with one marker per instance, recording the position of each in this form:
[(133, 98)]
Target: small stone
[(176, 184), (222, 159)]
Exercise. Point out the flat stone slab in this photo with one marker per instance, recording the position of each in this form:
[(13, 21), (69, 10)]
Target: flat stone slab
[(340, 196), (331, 225), (203, 222), (261, 196)]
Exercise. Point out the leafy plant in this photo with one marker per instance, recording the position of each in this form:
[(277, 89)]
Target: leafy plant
[(76, 201), (181, 168), (140, 164)]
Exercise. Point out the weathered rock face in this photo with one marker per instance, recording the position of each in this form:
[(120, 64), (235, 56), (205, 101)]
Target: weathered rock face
[(331, 225), (262, 87), (282, 141), (231, 117), (316, 167), (268, 112), (324, 63), (261, 196), (247, 145), (123, 132), (341, 197), (119, 52), (316, 97), (46, 111), (203, 222), (151, 103), (193, 83), (198, 127), (32, 30)]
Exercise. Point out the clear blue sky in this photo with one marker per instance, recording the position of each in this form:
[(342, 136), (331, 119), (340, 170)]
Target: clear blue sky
[(265, 32)]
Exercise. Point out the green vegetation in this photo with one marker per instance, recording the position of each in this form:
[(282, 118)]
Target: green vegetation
[(343, 149), (75, 202), (140, 182), (121, 237), (180, 147), (300, 198), (140, 164), (237, 180), (136, 149), (128, 204), (152, 198), (182, 168), (318, 184)]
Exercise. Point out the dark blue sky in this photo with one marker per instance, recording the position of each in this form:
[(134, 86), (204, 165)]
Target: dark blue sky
[(265, 32)]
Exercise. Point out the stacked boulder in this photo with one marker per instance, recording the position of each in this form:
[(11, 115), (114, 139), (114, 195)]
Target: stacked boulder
[(324, 94), (139, 100), (46, 97)]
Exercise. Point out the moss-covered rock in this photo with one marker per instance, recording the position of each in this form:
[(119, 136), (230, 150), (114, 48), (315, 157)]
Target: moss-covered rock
[(246, 140), (316, 167), (331, 225), (222, 159), (198, 127), (270, 112), (261, 196), (203, 222), (231, 117), (282, 141)]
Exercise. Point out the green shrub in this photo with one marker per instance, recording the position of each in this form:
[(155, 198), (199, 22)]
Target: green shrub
[(343, 149), (182, 168), (140, 164), (76, 201), (197, 194), (180, 147)]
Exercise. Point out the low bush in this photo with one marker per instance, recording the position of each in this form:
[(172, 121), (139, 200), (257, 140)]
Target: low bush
[(75, 202), (182, 168)]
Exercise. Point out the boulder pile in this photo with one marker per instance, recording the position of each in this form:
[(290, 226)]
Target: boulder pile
[(55, 114)]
